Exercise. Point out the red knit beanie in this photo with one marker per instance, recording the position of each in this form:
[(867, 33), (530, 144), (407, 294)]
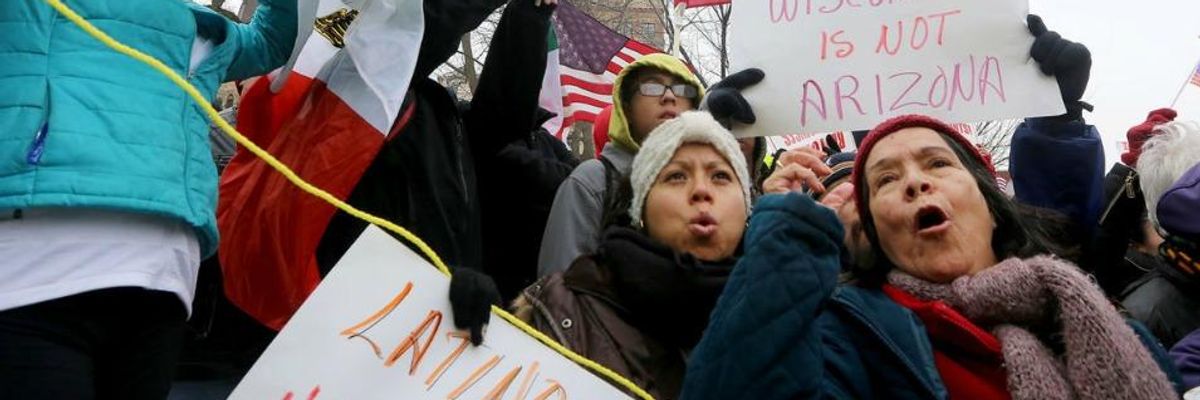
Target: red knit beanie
[(909, 121), (1139, 134)]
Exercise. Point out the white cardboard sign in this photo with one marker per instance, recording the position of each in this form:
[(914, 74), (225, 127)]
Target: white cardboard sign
[(379, 327), (850, 64)]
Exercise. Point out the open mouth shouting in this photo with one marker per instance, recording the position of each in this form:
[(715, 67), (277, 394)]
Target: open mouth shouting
[(931, 220)]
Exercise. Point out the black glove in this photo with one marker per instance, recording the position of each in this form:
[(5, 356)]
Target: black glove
[(725, 102), (1070, 63), (831, 145), (472, 295)]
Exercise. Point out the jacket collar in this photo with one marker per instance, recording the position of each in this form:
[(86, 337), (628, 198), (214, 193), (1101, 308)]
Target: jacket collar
[(667, 294), (897, 329)]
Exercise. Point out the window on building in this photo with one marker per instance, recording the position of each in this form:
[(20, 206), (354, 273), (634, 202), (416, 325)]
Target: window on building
[(648, 30)]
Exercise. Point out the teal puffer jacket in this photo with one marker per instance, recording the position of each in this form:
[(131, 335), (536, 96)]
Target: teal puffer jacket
[(84, 126)]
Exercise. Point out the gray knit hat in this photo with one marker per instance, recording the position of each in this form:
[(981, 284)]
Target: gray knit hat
[(660, 146)]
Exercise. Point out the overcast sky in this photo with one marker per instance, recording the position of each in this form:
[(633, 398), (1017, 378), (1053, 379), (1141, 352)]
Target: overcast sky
[(1143, 53)]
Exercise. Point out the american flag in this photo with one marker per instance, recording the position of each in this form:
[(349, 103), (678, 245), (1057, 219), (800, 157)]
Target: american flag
[(701, 3), (1196, 76), (590, 56)]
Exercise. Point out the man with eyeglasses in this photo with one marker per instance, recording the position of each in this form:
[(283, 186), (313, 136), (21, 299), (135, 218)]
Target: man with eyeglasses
[(649, 91)]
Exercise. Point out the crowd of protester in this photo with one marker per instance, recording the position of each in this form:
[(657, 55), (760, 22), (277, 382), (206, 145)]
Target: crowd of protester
[(675, 256)]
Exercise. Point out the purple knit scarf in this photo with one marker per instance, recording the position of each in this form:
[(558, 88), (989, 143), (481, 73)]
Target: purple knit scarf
[(1102, 359)]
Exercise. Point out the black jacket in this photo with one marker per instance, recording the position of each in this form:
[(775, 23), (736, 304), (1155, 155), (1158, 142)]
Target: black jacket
[(516, 189), (1166, 299), (424, 177)]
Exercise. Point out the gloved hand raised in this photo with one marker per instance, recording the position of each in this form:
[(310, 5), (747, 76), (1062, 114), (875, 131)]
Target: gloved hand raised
[(472, 294), (1069, 62), (725, 102)]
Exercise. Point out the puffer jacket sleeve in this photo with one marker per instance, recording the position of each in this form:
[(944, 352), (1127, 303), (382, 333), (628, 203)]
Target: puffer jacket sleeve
[(1059, 165), (266, 42), (763, 340)]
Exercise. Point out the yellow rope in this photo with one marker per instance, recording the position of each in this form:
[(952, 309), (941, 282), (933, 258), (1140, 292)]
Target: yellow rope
[(323, 195)]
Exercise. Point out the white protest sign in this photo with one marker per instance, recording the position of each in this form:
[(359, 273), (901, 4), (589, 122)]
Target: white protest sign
[(379, 327), (850, 64)]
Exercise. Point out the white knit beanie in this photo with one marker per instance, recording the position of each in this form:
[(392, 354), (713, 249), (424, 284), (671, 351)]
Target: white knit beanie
[(660, 146)]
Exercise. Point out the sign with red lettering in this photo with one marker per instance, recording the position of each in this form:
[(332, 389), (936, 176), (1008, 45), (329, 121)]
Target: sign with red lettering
[(840, 65), (379, 327)]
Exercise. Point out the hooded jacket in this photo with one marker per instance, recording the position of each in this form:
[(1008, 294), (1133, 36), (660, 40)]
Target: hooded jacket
[(573, 228), (516, 190), (85, 126), (635, 306)]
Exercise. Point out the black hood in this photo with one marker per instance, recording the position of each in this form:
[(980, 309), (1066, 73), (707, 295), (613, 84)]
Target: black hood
[(542, 116)]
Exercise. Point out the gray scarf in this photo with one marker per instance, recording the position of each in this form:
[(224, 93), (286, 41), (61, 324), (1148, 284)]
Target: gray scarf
[(1102, 357)]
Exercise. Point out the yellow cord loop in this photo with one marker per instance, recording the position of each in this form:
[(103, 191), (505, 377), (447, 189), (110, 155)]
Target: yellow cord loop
[(323, 195)]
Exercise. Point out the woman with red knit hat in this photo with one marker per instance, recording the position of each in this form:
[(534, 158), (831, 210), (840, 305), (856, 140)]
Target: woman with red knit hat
[(964, 297)]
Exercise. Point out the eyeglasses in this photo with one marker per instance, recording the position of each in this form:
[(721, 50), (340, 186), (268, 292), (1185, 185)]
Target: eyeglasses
[(655, 89)]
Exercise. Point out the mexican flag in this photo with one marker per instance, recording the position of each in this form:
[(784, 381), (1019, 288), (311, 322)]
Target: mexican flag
[(551, 97), (325, 114)]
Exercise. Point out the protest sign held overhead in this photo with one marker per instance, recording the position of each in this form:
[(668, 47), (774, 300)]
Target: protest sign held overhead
[(849, 64)]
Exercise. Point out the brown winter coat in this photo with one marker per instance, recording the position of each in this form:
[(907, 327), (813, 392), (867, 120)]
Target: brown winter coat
[(635, 307)]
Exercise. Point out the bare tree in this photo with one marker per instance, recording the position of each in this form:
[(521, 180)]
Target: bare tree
[(995, 137)]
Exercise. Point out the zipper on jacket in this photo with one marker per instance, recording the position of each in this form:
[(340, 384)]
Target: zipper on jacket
[(34, 157), (1127, 187)]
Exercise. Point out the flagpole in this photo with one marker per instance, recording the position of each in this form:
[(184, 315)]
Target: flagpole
[(678, 18), (1186, 81)]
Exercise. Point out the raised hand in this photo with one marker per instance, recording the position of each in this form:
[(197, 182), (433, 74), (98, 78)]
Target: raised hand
[(725, 102)]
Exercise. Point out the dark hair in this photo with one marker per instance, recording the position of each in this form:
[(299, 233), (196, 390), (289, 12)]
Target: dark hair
[(1020, 231), (629, 86), (617, 200)]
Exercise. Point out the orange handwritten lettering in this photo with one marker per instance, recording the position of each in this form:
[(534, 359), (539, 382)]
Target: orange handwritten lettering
[(434, 319), (555, 387), (498, 391), (478, 373), (528, 381), (450, 359), (355, 332)]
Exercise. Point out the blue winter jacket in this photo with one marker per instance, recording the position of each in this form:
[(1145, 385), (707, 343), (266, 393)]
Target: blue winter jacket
[(1060, 166), (784, 329), (84, 126)]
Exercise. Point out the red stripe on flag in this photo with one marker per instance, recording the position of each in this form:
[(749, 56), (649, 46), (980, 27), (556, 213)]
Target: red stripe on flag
[(270, 228), (582, 116), (614, 67), (598, 88), (626, 57), (640, 47), (701, 3)]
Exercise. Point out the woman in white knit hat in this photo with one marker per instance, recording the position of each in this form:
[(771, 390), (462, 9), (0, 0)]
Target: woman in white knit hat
[(639, 303)]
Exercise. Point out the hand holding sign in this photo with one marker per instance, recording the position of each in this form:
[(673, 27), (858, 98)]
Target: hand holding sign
[(472, 295), (725, 101), (1070, 63)]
